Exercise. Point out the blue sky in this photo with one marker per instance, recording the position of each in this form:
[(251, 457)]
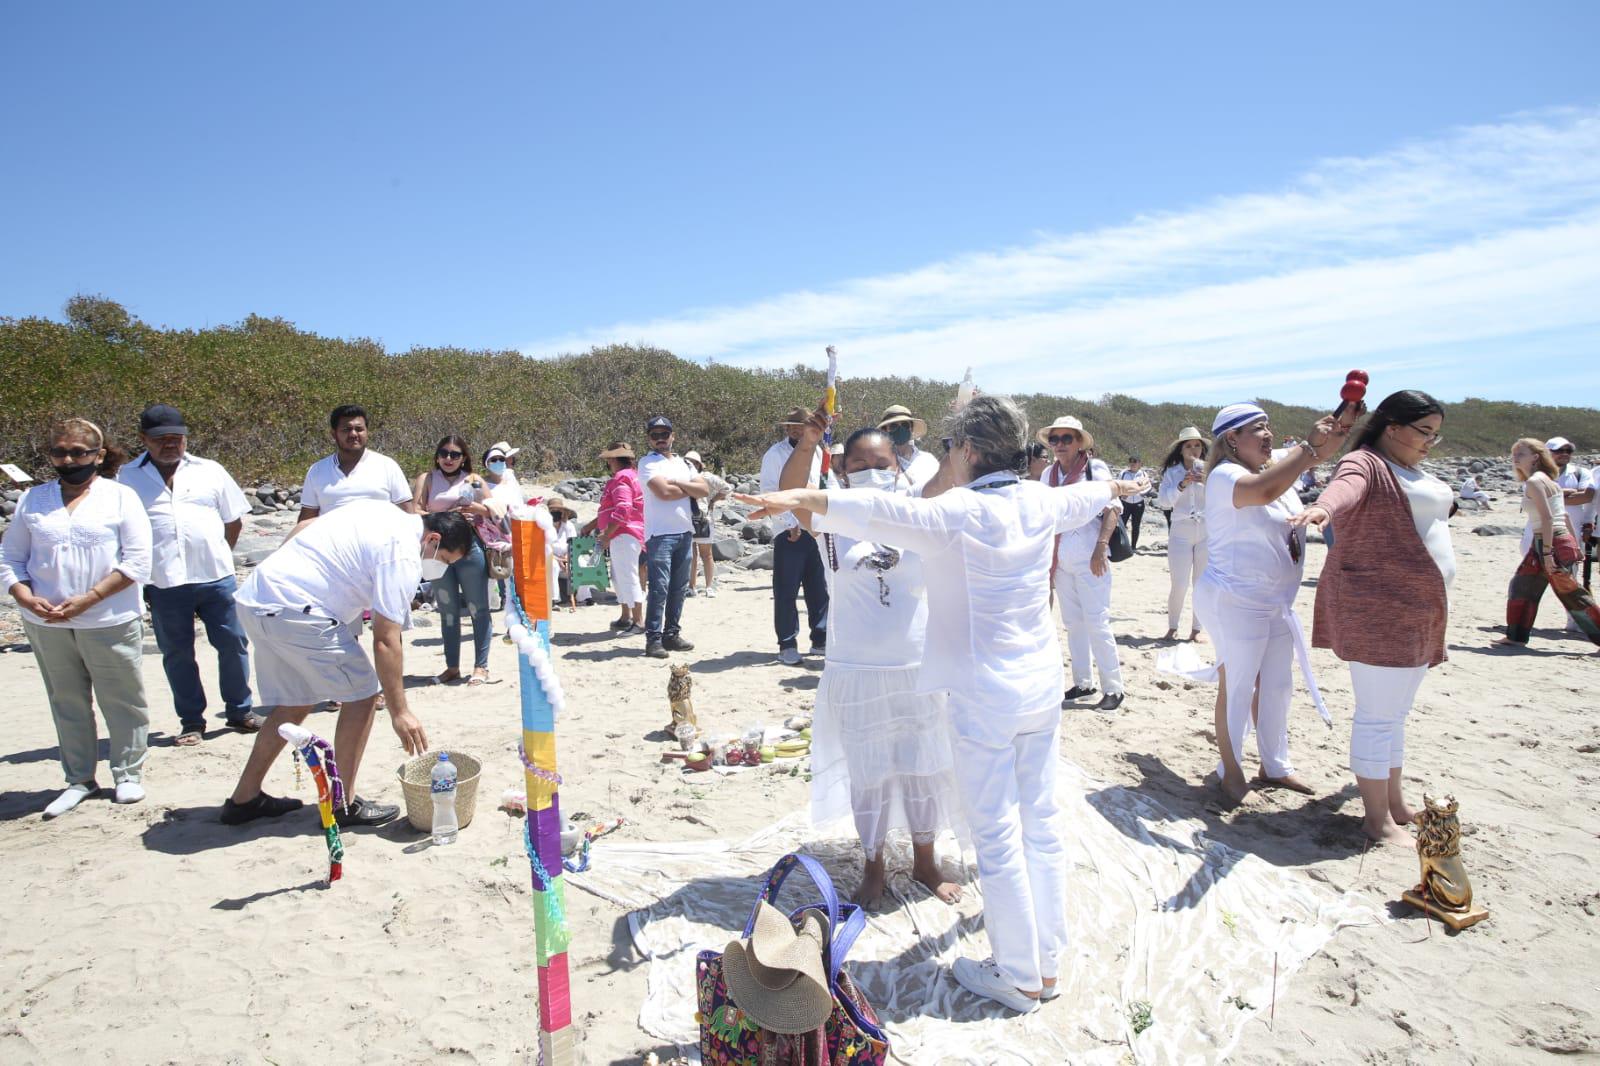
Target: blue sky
[(1181, 201)]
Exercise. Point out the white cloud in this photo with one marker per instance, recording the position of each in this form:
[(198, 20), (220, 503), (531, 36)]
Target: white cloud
[(1488, 235)]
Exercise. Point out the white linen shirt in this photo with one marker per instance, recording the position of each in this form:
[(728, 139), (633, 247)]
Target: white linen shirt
[(665, 516), (189, 544), (376, 477), (985, 548), (1077, 545), (920, 469), (772, 464), (1188, 505), (1577, 478), (62, 553), (368, 553)]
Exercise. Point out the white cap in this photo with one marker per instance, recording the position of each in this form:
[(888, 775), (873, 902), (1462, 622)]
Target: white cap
[(1557, 443), (503, 448), (694, 457)]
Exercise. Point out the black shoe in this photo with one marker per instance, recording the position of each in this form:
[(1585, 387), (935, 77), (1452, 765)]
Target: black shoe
[(1076, 693), (654, 649), (1112, 701), (676, 643), (622, 623), (364, 812), (263, 806)]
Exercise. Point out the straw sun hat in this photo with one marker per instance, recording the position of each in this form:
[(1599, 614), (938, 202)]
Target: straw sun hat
[(1188, 433), (559, 503), (694, 457), (901, 413), (1065, 422), (778, 977), (621, 451)]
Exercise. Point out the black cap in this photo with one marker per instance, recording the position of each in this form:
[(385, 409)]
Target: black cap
[(658, 422), (162, 420)]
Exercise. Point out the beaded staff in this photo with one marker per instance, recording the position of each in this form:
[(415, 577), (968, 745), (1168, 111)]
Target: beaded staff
[(831, 402), (542, 702), (318, 754)]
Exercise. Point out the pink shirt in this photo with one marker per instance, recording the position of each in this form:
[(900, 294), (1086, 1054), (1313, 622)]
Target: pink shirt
[(622, 501)]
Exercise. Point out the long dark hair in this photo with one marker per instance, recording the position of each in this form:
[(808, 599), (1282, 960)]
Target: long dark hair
[(1397, 409), (1175, 456), (461, 445)]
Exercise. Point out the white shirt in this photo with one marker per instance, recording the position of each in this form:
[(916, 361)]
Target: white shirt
[(376, 477), (1248, 547), (366, 554), (190, 545), (772, 464), (1430, 500), (1188, 505), (877, 605), (1558, 515), (919, 469), (508, 489), (985, 552), (665, 516), (562, 538), (1576, 477), (1077, 545), (1469, 489), (62, 553)]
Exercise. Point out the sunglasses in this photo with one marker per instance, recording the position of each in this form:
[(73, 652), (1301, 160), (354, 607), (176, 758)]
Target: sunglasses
[(75, 454), (1562, 451), (663, 435), (1062, 438), (1294, 545), (442, 454)]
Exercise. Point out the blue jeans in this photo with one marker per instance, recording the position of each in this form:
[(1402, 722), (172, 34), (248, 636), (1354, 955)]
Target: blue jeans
[(172, 614), (797, 563), (667, 556), (465, 581)]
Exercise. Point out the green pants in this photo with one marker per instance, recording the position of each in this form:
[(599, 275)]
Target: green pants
[(80, 667)]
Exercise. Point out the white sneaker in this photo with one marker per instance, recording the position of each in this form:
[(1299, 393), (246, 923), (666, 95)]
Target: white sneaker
[(789, 656), (711, 590), (74, 795), (130, 792), (985, 979)]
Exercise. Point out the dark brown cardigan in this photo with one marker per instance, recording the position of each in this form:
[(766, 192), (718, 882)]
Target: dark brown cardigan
[(1381, 599)]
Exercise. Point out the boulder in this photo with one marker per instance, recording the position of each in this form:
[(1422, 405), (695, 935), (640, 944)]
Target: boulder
[(257, 507), (761, 560), (1478, 466), (1496, 529), (759, 531), (726, 549)]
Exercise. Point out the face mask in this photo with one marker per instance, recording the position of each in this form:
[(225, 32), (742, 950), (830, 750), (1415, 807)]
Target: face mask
[(497, 467), (433, 567), (882, 480), (75, 475), (900, 434)]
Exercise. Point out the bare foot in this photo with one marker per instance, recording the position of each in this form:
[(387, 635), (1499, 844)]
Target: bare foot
[(1172, 634), (1236, 789), (1198, 637), (934, 881), (1292, 783), (1390, 834), (1402, 814), (871, 890), (1507, 642)]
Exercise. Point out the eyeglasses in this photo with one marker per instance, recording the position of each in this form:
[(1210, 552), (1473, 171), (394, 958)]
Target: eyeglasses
[(442, 454), (1428, 438), (1062, 438), (75, 454)]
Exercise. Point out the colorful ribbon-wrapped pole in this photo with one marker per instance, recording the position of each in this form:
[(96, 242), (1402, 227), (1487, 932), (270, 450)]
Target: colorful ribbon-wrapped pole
[(831, 402), (542, 702), (318, 754)]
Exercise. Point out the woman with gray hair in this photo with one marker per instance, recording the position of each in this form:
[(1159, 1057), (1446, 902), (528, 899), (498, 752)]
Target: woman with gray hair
[(986, 537)]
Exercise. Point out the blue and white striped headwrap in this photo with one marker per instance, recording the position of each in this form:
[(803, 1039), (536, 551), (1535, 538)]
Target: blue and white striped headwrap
[(1235, 415)]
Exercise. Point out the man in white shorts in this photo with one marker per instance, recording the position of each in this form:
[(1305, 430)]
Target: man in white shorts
[(302, 610)]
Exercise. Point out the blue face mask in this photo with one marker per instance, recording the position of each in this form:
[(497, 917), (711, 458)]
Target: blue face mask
[(900, 433), (497, 467)]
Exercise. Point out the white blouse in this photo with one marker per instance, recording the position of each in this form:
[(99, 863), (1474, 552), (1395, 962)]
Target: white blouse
[(62, 553), (877, 605), (1186, 504), (1248, 547)]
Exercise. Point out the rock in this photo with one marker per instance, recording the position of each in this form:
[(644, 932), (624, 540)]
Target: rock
[(730, 518), (1495, 529), (726, 549), (759, 531), (11, 495), (280, 496), (246, 559), (7, 507), (1478, 466), (259, 508), (761, 560)]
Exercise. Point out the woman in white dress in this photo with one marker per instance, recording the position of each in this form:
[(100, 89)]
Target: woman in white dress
[(880, 749), (1183, 496)]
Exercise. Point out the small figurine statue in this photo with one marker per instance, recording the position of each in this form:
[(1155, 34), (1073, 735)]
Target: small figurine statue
[(678, 689), (1444, 892)]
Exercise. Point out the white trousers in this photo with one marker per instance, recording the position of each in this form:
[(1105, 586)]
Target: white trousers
[(1086, 612), (1186, 561), (1254, 644), (1005, 767), (625, 570), (1384, 695)]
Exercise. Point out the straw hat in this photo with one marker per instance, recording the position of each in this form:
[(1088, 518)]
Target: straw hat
[(778, 976), (558, 503), (797, 416), (1065, 422), (899, 413), (503, 448), (621, 451), (1188, 433), (694, 457)]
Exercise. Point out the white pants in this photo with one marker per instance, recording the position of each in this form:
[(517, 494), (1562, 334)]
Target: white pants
[(1086, 612), (1384, 695), (1005, 767), (625, 570), (1186, 561), (1254, 644)]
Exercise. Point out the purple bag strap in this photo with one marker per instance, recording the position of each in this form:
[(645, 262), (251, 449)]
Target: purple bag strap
[(780, 872)]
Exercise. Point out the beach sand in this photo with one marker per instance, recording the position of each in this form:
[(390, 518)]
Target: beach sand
[(153, 934)]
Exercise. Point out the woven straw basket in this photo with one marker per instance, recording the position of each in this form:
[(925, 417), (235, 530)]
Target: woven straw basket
[(416, 781)]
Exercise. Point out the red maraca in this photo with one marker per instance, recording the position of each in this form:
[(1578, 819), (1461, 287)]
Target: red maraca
[(1353, 392)]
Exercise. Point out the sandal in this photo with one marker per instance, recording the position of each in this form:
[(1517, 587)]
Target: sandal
[(452, 674), (479, 676), (250, 723), (189, 738)]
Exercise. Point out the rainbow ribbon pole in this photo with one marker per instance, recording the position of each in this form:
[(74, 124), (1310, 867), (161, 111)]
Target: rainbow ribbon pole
[(318, 754), (542, 702), (832, 404)]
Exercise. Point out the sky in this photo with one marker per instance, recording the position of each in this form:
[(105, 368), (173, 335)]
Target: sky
[(1172, 200)]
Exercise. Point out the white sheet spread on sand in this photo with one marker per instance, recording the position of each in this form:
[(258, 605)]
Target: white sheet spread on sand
[(1159, 914)]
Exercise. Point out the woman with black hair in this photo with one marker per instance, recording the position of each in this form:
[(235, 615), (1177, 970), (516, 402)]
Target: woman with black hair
[(450, 485), (1383, 598), (1182, 496)]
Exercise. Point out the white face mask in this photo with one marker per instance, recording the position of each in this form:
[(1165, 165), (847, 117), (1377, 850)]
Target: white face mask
[(882, 480), (433, 567)]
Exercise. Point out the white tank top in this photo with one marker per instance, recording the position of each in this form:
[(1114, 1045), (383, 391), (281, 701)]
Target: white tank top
[(445, 495)]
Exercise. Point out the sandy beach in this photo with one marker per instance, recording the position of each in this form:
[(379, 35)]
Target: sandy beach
[(153, 934)]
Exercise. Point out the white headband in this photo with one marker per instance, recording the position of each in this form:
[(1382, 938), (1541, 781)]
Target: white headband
[(1235, 415)]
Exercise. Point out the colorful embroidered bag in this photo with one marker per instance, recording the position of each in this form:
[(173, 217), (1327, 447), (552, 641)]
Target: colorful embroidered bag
[(851, 1036)]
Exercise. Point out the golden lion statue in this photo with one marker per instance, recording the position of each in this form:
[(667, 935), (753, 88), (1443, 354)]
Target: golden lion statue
[(1444, 890)]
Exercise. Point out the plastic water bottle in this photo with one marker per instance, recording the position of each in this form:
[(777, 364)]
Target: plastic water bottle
[(965, 390), (444, 801)]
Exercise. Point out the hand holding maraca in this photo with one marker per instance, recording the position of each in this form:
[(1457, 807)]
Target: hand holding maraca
[(1351, 396)]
